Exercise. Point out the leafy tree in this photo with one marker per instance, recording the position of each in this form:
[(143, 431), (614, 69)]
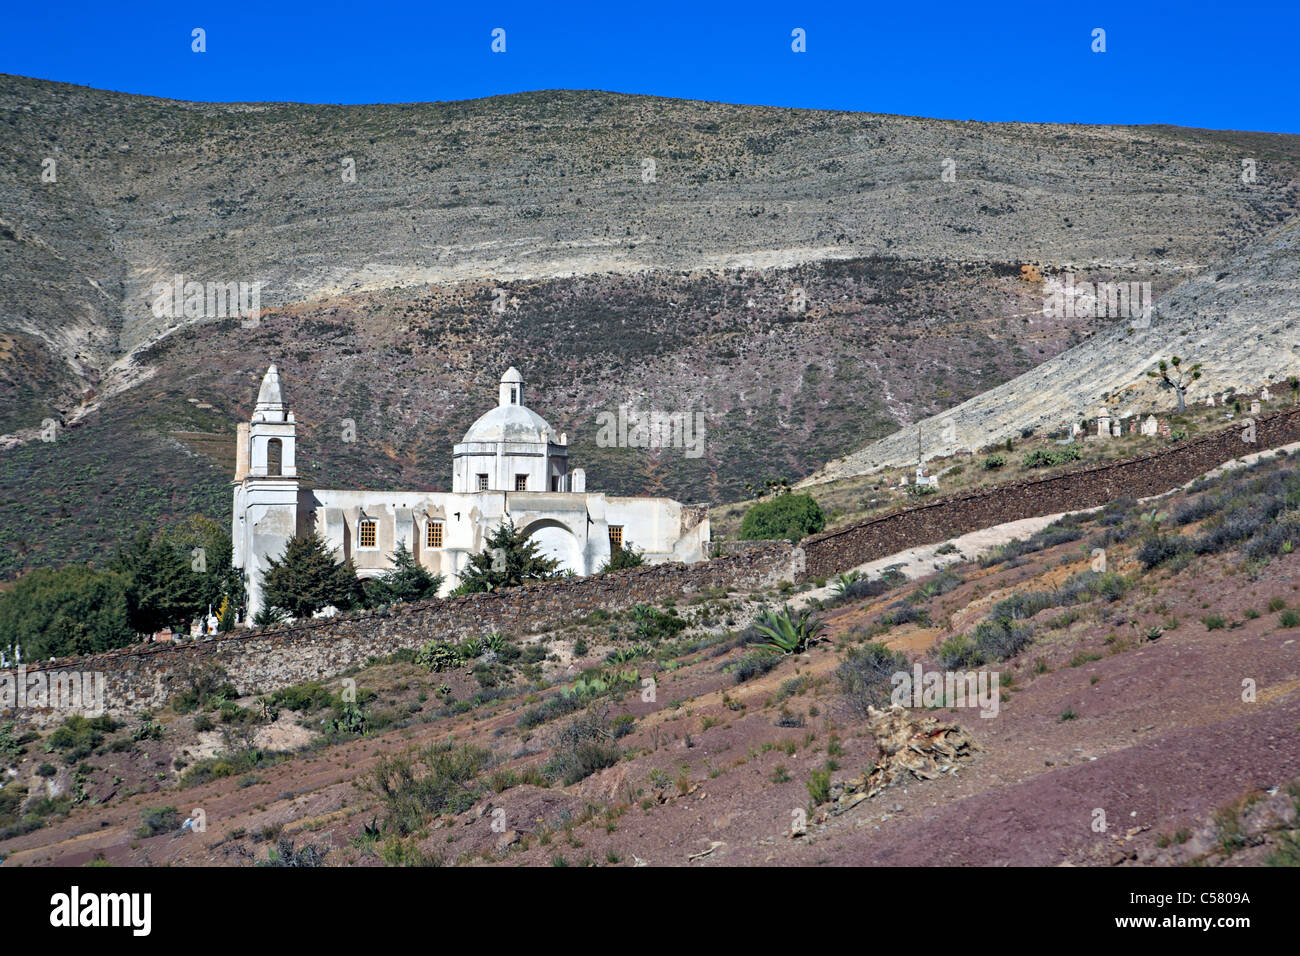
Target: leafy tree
[(622, 557), (786, 516), (1174, 376), (206, 545), (162, 588), (73, 610), (226, 616), (509, 558), (406, 580), (307, 579)]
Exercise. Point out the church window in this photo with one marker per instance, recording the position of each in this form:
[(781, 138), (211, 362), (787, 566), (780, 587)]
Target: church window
[(521, 482), (367, 534), (514, 395), (615, 537), (433, 535), (274, 453), (482, 482)]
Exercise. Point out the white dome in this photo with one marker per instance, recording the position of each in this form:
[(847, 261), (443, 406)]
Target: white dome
[(510, 423)]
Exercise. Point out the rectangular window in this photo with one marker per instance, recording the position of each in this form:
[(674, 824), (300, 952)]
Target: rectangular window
[(521, 482), (482, 482), (367, 536), (615, 537), (433, 536)]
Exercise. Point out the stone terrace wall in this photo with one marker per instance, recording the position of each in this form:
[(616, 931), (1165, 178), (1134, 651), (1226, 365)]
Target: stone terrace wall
[(1075, 490), (146, 675)]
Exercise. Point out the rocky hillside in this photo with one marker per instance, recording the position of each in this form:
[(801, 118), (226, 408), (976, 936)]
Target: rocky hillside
[(675, 291), (1238, 320), (1109, 728)]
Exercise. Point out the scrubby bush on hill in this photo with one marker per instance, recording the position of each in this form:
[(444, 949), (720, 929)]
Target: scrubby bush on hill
[(753, 665), (582, 747), (786, 516), (865, 676), (158, 820), (1049, 537), (653, 624), (1051, 457), (442, 779)]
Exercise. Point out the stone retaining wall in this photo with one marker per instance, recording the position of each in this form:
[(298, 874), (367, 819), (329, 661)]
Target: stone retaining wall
[(1075, 490), (144, 676)]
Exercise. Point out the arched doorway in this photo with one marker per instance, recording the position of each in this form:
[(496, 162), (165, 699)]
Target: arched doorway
[(555, 540)]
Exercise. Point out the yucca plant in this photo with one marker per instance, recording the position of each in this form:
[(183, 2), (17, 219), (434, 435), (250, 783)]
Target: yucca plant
[(787, 632)]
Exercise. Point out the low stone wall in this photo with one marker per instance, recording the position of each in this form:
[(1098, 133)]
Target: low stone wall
[(1075, 490), (144, 676)]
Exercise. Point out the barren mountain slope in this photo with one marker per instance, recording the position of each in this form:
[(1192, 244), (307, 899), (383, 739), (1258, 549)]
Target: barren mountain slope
[(553, 183), (1239, 321)]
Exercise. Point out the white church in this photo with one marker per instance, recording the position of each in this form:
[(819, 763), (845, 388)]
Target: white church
[(511, 464)]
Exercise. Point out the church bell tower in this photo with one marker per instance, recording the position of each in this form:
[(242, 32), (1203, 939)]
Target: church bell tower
[(265, 514)]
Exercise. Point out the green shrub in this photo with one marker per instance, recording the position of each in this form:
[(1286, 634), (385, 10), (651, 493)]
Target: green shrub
[(309, 696), (441, 780), (438, 656), (79, 736), (786, 516), (653, 624), (158, 820), (819, 787), (1051, 457), (753, 665)]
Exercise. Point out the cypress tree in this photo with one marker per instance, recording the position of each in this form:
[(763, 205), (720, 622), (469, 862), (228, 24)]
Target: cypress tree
[(307, 578), (509, 558), (406, 580)]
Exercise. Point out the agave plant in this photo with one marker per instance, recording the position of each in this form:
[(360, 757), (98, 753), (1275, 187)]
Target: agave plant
[(625, 654), (595, 683), (470, 648), (496, 641), (787, 632), (842, 582)]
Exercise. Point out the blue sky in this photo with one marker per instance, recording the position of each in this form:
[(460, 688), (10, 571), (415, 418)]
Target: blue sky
[(1218, 65)]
